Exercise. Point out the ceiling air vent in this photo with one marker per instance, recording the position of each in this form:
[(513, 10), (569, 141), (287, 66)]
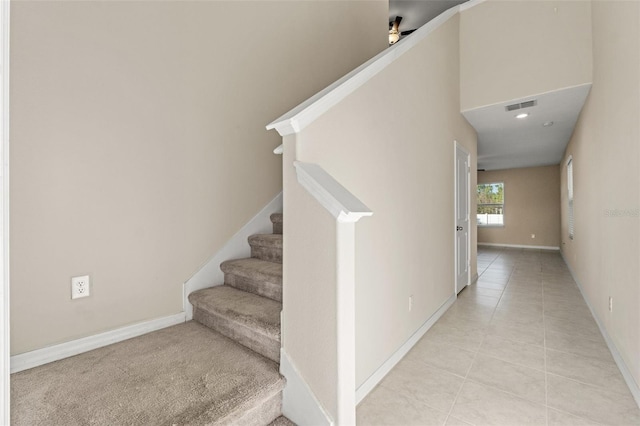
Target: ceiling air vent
[(526, 104)]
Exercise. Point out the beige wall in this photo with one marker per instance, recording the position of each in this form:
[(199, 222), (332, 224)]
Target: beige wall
[(513, 49), (138, 145), (391, 143), (532, 206), (309, 294), (605, 251)]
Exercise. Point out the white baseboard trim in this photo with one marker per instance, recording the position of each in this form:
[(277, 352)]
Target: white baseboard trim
[(74, 347), (368, 385), (622, 366), (521, 246), (299, 404), (237, 247), (475, 278)]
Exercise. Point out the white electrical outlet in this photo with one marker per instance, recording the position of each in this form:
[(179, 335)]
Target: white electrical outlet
[(79, 287), (533, 235), (610, 304)]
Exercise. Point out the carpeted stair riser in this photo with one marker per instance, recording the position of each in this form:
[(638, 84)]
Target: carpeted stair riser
[(282, 421), (243, 335), (250, 320), (268, 290), (254, 276), (262, 414), (276, 220), (266, 247)]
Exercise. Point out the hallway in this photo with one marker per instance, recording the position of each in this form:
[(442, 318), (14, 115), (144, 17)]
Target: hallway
[(518, 347)]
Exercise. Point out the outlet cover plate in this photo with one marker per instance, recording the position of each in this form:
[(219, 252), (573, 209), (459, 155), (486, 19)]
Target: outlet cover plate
[(79, 287)]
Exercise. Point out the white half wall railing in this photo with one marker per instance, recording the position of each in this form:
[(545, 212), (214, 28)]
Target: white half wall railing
[(341, 203), (308, 111), (347, 209), (344, 206)]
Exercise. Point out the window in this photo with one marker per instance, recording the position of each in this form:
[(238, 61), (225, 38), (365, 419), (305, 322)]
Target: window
[(490, 204), (570, 194)]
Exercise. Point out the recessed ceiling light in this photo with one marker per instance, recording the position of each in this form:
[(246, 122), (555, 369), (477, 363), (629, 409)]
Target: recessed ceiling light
[(522, 115), (548, 124)]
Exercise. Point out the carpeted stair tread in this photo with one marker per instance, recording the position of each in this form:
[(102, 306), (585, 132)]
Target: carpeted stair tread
[(185, 374), (276, 217), (256, 276), (245, 308), (255, 269)]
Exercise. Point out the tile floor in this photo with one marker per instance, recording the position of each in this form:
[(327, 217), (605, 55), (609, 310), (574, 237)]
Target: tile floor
[(519, 347)]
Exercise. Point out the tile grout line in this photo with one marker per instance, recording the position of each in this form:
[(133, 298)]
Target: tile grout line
[(548, 272), (575, 415), (466, 379), (557, 375), (475, 355), (515, 395), (544, 344), (584, 384), (488, 266)]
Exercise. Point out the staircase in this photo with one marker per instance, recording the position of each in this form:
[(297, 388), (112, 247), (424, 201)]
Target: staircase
[(187, 374), (247, 309)]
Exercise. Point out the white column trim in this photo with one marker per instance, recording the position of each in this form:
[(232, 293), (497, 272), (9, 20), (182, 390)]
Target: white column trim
[(346, 322)]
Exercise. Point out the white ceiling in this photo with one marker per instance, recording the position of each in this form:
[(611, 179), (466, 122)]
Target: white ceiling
[(505, 142)]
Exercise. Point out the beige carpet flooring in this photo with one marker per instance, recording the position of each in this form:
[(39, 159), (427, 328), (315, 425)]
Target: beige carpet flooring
[(181, 375)]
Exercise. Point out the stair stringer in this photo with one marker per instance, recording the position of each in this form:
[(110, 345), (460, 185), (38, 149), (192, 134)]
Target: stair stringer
[(210, 275)]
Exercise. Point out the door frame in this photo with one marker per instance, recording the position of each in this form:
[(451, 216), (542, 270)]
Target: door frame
[(5, 388), (456, 146)]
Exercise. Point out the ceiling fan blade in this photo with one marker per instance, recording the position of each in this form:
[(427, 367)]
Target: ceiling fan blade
[(404, 33), (395, 24)]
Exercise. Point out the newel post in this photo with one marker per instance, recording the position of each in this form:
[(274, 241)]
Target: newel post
[(346, 322)]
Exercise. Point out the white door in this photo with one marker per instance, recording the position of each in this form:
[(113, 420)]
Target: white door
[(462, 241)]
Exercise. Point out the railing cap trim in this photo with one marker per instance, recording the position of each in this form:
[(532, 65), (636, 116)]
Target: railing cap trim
[(308, 111), (341, 203)]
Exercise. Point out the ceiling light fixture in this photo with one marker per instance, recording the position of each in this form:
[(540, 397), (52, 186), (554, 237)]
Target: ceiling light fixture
[(548, 124), (522, 115), (394, 31), (394, 36)]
